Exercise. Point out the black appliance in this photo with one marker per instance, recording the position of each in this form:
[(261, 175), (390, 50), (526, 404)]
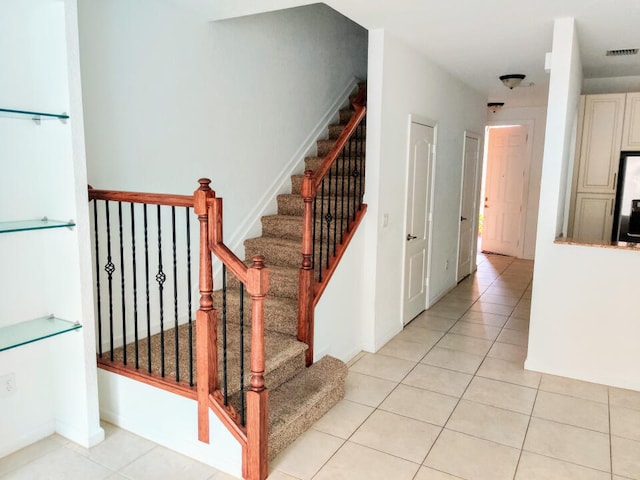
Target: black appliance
[(626, 220)]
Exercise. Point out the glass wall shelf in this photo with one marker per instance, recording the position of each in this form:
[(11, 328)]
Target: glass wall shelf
[(35, 116), (31, 331), (41, 224)]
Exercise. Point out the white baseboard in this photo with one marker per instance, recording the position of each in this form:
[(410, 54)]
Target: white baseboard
[(10, 445)]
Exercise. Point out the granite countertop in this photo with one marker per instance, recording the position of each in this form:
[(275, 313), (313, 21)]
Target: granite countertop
[(618, 245)]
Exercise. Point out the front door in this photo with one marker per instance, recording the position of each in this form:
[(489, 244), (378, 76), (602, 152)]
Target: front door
[(421, 151), (504, 190), (468, 204)]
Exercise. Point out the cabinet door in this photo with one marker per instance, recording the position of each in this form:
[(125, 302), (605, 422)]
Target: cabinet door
[(601, 140), (593, 218), (631, 133)]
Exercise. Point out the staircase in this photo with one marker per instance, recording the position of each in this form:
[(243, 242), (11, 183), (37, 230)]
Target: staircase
[(298, 396), (254, 332)]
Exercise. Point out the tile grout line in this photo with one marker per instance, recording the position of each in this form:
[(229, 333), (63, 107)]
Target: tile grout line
[(524, 439), (476, 372)]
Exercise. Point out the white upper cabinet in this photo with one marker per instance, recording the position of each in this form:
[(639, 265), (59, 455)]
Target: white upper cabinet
[(631, 132), (601, 141)]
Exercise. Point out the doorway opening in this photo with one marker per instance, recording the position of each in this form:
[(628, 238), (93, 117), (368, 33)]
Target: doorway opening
[(505, 177)]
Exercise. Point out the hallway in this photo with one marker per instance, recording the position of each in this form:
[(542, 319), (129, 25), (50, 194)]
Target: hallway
[(460, 366)]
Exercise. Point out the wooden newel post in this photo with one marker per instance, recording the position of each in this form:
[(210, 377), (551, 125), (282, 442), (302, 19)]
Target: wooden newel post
[(305, 284), (206, 319), (257, 396)]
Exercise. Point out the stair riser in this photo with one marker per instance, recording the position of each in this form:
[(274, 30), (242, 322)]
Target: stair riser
[(342, 167), (301, 402), (281, 318), (305, 421), (275, 254), (340, 184), (273, 378), (280, 285), (294, 205), (325, 146), (294, 232), (337, 129), (346, 114)]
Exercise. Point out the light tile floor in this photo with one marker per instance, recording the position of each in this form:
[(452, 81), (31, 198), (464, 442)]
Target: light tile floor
[(447, 398)]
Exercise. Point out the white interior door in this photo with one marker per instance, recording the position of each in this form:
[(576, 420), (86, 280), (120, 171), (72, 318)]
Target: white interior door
[(468, 229), (421, 151), (504, 190)]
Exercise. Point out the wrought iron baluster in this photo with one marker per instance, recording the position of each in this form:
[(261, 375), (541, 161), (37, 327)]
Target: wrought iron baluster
[(242, 399), (328, 218), (109, 268), (122, 287), (160, 278), (342, 178), (335, 213), (315, 220), (98, 293), (224, 336), (361, 139), (351, 189), (188, 217), (321, 228), (135, 284), (175, 293), (146, 280)]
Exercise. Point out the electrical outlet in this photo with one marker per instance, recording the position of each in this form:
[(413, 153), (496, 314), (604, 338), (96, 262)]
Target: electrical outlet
[(446, 264), (7, 384)]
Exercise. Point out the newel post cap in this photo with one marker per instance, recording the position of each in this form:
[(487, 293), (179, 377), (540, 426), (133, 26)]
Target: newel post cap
[(257, 277)]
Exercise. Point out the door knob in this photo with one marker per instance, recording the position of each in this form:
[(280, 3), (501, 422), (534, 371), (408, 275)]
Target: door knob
[(462, 219), (410, 237)]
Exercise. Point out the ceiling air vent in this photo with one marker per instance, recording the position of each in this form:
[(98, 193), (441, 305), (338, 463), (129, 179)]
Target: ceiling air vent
[(622, 52)]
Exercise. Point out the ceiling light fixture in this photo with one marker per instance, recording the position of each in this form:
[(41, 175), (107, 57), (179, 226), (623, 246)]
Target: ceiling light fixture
[(495, 106), (512, 80)]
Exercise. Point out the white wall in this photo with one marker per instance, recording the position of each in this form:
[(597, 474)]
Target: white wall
[(536, 118), (338, 320), (170, 98), (626, 84), (47, 271), (402, 82), (138, 407), (583, 320)]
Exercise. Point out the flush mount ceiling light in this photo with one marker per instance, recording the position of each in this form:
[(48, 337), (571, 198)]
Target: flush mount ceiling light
[(512, 80), (495, 106)]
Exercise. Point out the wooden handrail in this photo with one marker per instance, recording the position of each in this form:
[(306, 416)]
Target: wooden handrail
[(141, 197), (331, 157), (309, 291)]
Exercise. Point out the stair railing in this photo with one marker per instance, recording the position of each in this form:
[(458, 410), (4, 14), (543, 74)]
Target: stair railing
[(143, 336), (254, 436), (333, 209)]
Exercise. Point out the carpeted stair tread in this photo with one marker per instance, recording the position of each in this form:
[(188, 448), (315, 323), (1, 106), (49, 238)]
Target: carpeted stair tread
[(293, 204), (345, 184), (343, 166), (280, 313), (284, 355), (283, 281), (282, 226), (300, 402), (346, 114), (276, 251), (290, 227)]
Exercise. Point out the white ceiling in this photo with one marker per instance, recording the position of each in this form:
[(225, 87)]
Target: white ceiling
[(479, 40)]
